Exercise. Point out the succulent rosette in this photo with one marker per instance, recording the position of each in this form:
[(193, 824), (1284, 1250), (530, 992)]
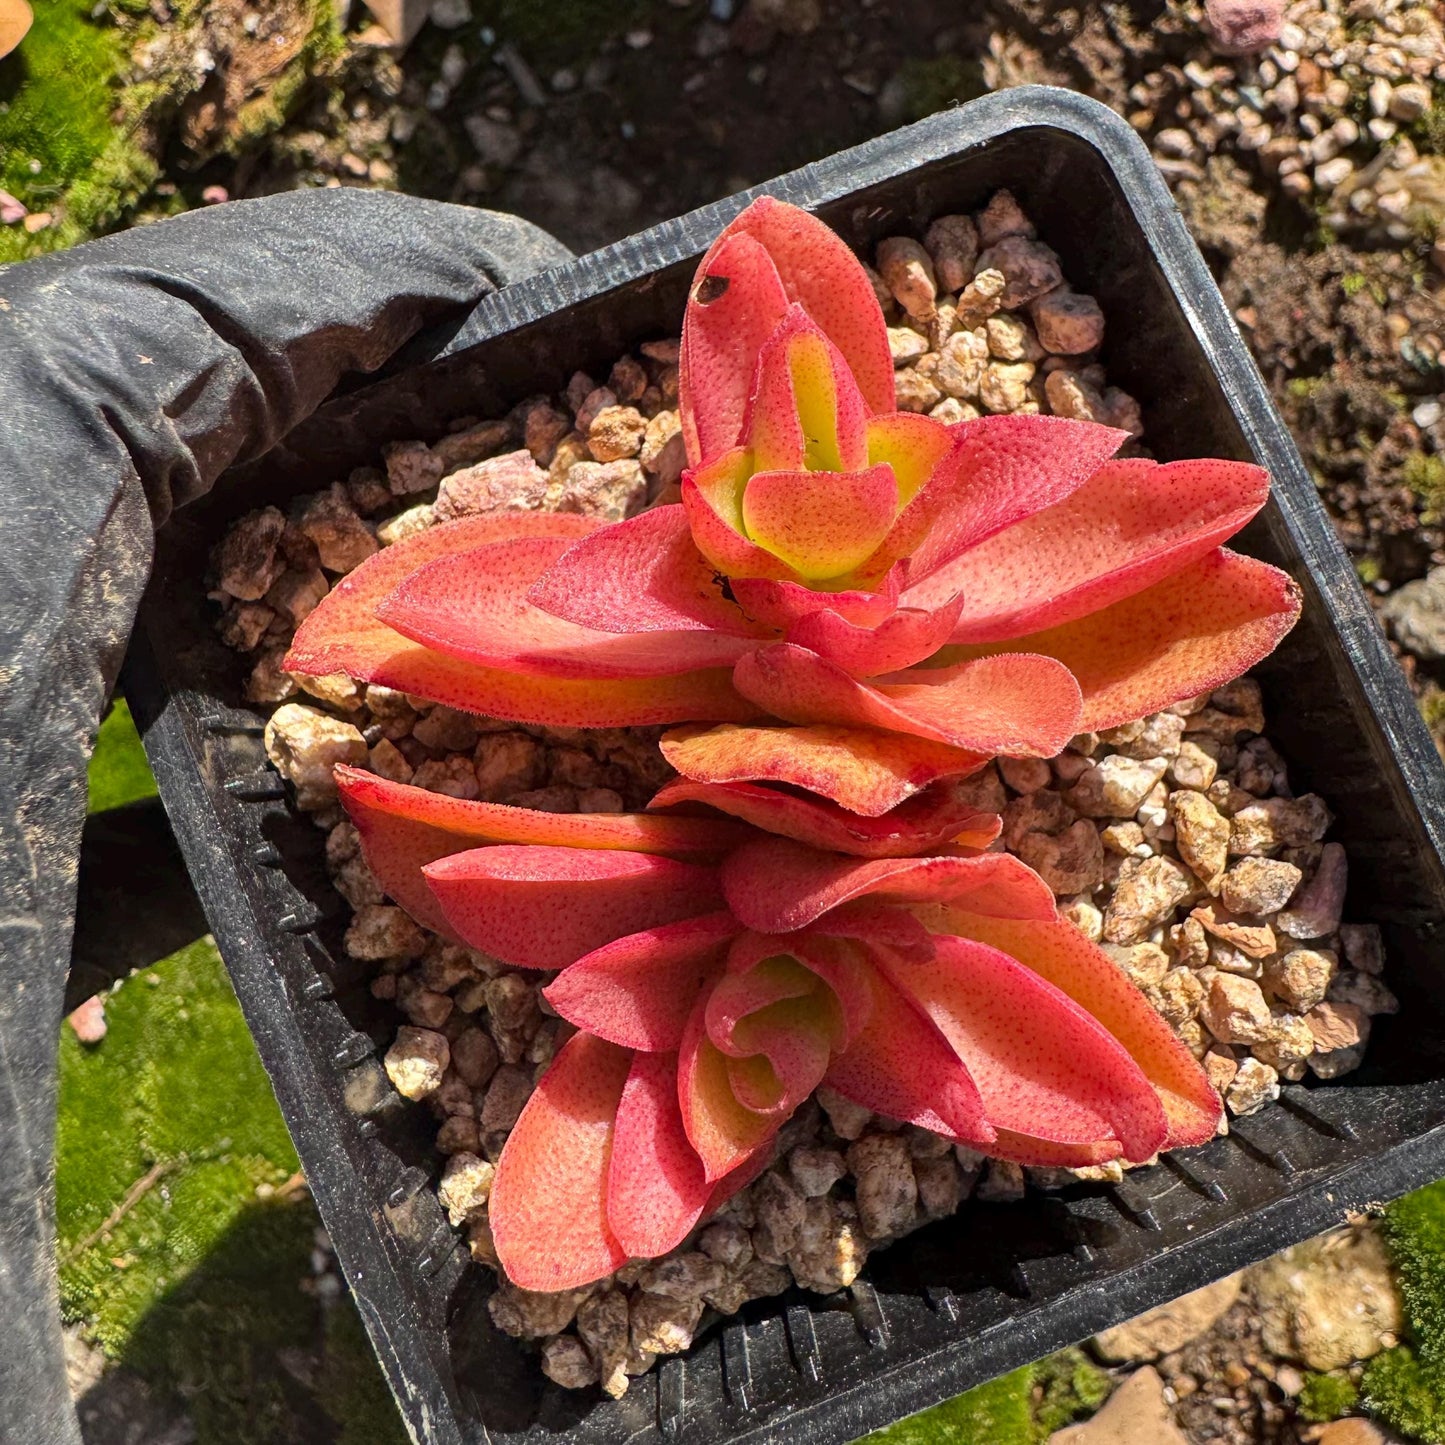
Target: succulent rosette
[(716, 976), (858, 600)]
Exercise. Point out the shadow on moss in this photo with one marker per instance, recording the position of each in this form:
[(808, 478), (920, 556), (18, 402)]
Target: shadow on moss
[(186, 1236)]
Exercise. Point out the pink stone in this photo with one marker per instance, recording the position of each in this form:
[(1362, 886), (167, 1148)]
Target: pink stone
[(1243, 27), (88, 1020)]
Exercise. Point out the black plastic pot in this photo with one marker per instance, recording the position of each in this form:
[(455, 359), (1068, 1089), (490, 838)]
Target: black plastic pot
[(998, 1285)]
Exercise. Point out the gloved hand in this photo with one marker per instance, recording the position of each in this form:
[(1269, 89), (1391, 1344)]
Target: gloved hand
[(133, 371)]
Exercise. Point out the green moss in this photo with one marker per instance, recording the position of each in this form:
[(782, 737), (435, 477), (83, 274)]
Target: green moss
[(1327, 1397), (935, 83), (1406, 1386), (1353, 283), (267, 112), (1368, 570), (1424, 474), (59, 126), (181, 1252), (1067, 1386), (998, 1413), (119, 773)]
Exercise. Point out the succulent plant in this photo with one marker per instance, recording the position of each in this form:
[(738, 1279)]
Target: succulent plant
[(716, 975), (843, 585), (851, 609)]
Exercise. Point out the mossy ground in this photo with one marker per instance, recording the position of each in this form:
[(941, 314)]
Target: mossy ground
[(1405, 1387), (1023, 1408), (185, 1236)]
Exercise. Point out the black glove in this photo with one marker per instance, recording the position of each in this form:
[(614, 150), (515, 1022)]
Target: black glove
[(133, 371)]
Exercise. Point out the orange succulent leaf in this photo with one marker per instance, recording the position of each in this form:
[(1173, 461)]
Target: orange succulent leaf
[(1044, 1066), (771, 255), (657, 1189), (864, 770), (724, 1132), (1193, 631), (640, 990), (544, 907), (925, 823), (1131, 524), (344, 634), (774, 885), (1059, 954), (1016, 703), (403, 828), (548, 1207), (913, 445), (820, 524)]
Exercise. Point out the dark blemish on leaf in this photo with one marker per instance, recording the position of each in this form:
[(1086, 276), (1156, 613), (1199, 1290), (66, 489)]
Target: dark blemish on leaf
[(710, 289), (724, 586)]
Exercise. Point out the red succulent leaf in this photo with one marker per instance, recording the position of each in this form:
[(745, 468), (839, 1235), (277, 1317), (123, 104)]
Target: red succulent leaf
[(540, 907), (774, 885), (922, 824), (900, 1065), (1191, 632), (642, 575), (736, 303), (403, 828), (864, 770), (344, 634), (805, 410), (910, 635), (640, 990), (1017, 703), (548, 1208), (726, 325), (1000, 470), (475, 606), (1060, 955), (656, 1188), (777, 604), (1043, 1065), (1131, 524)]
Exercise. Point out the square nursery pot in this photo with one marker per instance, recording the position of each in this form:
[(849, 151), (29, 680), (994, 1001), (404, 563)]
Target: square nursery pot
[(999, 1284)]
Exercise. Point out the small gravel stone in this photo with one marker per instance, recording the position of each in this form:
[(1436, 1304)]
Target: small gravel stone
[(1315, 910), (884, 1187), (417, 1062), (1068, 323), (1235, 1011), (465, 1187), (1259, 885), (952, 242), (907, 271), (1301, 977), (565, 1360), (1256, 940), (1177, 996), (1029, 269), (379, 931), (604, 1325), (831, 1247), (610, 490), (816, 1170), (509, 1090), (406, 524), (1003, 386), (616, 432), (1193, 767), (1202, 834), (411, 467), (532, 1314), (1001, 218), (1148, 889), (980, 299), (305, 745), (1072, 862), (1253, 1086), (329, 521), (661, 1326), (1115, 786), (247, 561), (1363, 946), (1259, 828), (512, 482)]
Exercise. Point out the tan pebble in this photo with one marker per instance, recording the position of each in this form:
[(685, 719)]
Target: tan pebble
[(1202, 834), (417, 1062), (1253, 939), (907, 270), (1300, 977), (952, 241), (1234, 1010)]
